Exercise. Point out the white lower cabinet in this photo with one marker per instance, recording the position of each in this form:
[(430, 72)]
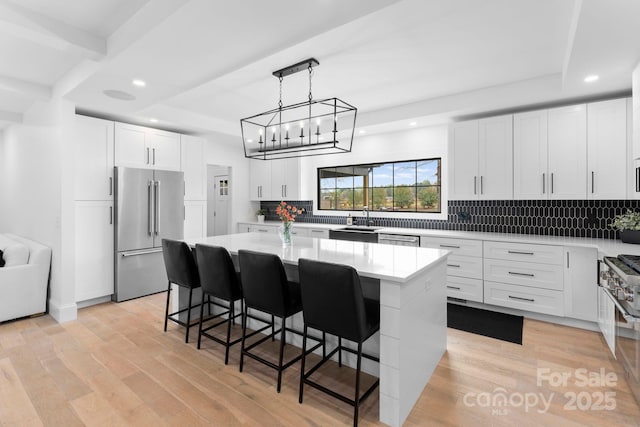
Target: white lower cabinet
[(524, 276), (263, 229), (93, 249), (195, 219), (299, 231), (607, 319), (319, 233), (581, 283), (524, 298), (464, 266), (244, 227), (464, 288)]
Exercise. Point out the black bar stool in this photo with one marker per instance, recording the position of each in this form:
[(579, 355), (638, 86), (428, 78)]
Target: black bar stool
[(182, 271), (220, 280), (265, 288), (332, 302)]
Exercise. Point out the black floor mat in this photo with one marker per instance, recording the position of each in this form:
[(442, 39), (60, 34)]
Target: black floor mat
[(506, 327)]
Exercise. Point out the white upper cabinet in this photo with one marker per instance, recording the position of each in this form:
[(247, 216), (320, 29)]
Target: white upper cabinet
[(194, 167), (635, 88), (275, 179), (633, 165), (567, 142), (285, 179), (607, 149), (530, 177), (495, 160), (93, 158), (141, 147), (260, 180), (482, 159), (463, 152)]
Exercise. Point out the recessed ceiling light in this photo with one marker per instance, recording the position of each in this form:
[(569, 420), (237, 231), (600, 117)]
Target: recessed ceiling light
[(118, 94), (249, 140), (153, 120), (592, 78), (413, 124), (362, 131), (139, 83)]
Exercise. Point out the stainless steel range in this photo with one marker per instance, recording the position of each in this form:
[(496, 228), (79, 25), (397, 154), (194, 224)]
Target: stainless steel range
[(620, 280)]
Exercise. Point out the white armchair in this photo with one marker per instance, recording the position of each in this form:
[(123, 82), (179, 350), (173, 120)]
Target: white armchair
[(24, 287)]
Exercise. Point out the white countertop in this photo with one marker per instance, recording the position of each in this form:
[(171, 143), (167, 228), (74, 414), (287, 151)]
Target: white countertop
[(605, 247), (386, 262)]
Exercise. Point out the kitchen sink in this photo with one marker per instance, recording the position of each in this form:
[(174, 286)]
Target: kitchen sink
[(360, 228), (355, 233)]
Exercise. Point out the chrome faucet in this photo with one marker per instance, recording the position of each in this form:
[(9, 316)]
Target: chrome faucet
[(365, 211)]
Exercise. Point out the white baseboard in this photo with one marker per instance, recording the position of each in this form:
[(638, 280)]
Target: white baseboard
[(63, 313), (94, 301)]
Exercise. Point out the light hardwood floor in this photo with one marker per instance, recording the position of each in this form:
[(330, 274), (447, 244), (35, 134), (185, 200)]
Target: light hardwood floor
[(115, 366)]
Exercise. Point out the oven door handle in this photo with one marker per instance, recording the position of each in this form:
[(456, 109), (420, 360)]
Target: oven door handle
[(628, 317)]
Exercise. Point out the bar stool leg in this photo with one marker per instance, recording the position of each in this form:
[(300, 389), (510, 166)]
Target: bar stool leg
[(273, 328), (340, 352), (357, 399), (304, 357), (282, 342), (324, 343), (244, 336), (166, 312), (200, 323), (226, 352), (186, 338)]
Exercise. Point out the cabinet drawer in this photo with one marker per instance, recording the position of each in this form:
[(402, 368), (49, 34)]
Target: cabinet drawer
[(319, 233), (544, 276), (303, 232), (464, 266), (523, 252), (524, 298), (456, 246), (464, 288), (263, 229)]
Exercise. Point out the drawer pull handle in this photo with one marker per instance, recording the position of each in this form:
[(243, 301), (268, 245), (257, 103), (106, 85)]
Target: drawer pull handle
[(520, 253), (453, 265), (515, 273), (453, 287), (450, 246), (263, 231), (522, 299)]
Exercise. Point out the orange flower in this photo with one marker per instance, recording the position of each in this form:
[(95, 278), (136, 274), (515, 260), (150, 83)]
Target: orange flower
[(288, 213)]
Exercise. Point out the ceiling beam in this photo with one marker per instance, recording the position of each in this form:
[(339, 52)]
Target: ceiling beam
[(575, 18), (39, 27), (10, 116), (23, 87)]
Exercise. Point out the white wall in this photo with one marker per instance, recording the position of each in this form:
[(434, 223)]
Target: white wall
[(33, 166), (421, 143), (226, 150)]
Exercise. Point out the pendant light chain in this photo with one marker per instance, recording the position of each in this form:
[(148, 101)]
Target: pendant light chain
[(310, 74), (280, 101)]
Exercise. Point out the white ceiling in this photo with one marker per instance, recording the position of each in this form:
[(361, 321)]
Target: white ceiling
[(208, 63)]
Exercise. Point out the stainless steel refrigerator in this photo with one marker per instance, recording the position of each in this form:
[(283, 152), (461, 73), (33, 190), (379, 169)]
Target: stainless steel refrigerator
[(149, 206)]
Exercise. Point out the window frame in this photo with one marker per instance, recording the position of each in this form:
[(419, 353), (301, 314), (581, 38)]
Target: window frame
[(392, 212)]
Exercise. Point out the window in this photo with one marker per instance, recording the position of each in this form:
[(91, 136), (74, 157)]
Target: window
[(407, 186)]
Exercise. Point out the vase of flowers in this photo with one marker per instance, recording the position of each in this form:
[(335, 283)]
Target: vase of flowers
[(287, 214), (628, 224)]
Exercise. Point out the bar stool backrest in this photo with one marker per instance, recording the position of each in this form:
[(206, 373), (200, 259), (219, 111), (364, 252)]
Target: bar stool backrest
[(180, 264), (332, 299), (217, 274), (264, 282)]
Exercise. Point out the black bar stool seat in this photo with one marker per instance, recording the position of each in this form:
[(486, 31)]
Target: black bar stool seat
[(182, 271), (220, 280), (332, 302), (265, 288)]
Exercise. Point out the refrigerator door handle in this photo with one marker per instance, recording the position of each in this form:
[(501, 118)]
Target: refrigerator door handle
[(157, 207), (142, 252), (149, 208)]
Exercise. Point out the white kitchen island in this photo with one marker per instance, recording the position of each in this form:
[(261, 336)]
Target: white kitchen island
[(413, 305)]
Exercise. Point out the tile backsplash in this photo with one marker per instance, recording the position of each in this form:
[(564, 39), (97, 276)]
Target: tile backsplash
[(574, 218)]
